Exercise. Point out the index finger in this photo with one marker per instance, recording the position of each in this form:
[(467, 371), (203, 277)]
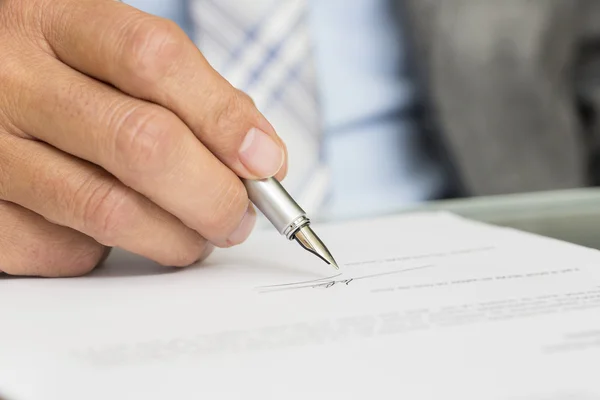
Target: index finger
[(152, 59)]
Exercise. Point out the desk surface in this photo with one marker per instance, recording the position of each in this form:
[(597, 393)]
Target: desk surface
[(572, 215)]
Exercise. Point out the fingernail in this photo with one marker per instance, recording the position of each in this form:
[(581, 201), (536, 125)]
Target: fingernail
[(261, 154), (245, 228)]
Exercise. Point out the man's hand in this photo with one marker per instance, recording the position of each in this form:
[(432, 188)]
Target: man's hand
[(115, 131)]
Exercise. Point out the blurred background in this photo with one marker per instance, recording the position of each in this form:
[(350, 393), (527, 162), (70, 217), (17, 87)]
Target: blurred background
[(387, 105)]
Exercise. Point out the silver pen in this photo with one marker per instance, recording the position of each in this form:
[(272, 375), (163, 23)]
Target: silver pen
[(269, 196)]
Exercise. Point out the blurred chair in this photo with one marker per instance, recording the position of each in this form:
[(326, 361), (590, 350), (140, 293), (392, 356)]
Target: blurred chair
[(511, 87)]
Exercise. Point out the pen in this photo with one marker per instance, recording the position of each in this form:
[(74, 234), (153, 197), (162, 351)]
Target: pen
[(269, 196)]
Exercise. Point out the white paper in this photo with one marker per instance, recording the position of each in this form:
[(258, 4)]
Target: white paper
[(426, 306)]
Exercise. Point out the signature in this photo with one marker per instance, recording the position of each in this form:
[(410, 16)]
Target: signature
[(334, 280)]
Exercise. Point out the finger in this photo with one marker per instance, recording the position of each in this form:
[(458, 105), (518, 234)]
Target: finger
[(142, 144), (76, 194), (151, 58), (32, 246), (282, 173)]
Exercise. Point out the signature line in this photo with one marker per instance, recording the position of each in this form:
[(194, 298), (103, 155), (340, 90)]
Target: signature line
[(330, 281), (327, 278)]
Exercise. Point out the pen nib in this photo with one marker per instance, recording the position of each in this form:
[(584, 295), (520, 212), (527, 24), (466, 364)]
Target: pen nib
[(311, 242)]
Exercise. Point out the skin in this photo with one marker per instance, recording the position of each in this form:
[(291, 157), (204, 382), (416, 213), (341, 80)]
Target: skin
[(116, 132)]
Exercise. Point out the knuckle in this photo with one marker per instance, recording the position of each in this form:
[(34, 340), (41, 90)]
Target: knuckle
[(151, 49), (229, 206), (105, 210), (144, 140), (245, 97), (28, 23)]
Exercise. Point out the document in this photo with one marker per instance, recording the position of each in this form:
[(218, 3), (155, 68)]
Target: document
[(424, 306)]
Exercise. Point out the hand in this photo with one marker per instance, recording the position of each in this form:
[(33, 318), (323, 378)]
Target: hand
[(115, 131)]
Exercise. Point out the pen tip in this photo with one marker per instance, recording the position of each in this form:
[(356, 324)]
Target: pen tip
[(311, 242)]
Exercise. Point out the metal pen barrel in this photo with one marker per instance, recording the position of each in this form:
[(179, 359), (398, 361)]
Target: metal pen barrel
[(270, 197)]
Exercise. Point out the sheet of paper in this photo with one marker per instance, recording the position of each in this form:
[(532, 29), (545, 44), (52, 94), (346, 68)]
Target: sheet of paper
[(425, 306)]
